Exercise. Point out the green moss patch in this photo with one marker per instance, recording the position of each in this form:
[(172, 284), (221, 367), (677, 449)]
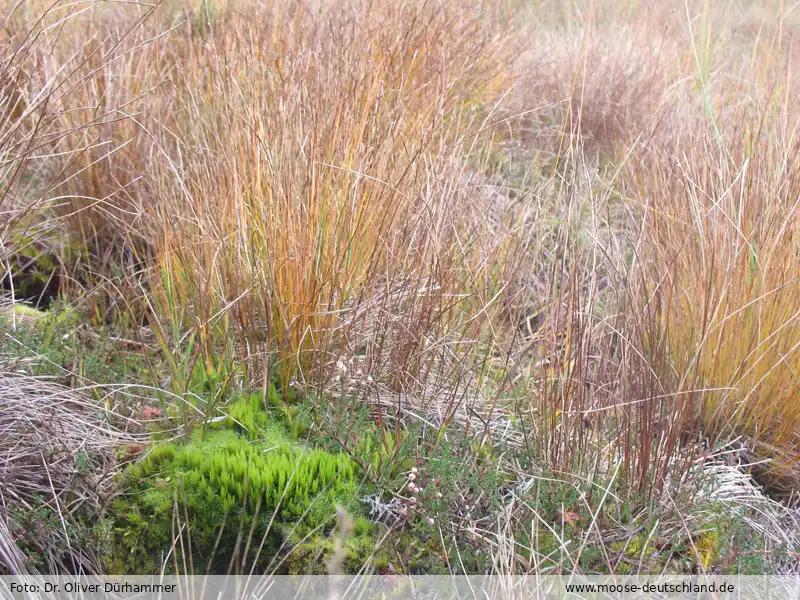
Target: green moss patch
[(229, 489)]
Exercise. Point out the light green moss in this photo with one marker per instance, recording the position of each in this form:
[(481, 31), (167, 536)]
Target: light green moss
[(240, 474)]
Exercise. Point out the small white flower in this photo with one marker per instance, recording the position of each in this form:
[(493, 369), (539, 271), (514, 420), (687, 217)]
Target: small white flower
[(417, 490), (431, 521), (414, 470), (439, 495), (412, 487), (411, 476), (412, 500)]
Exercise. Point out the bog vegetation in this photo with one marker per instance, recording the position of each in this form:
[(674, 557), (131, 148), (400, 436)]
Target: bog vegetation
[(325, 286)]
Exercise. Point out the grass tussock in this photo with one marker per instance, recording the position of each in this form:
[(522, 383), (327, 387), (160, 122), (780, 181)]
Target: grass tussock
[(57, 461), (351, 121), (721, 217)]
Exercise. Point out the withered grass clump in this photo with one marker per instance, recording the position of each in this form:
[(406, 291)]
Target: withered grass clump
[(58, 456), (321, 152), (723, 228), (284, 165)]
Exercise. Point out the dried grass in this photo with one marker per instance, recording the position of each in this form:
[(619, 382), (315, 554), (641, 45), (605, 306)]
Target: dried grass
[(58, 452)]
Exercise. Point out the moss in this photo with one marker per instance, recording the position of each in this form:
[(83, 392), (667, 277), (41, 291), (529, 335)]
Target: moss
[(592, 558), (633, 547), (312, 555), (624, 568), (22, 313), (248, 416), (707, 548), (34, 268), (230, 480)]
